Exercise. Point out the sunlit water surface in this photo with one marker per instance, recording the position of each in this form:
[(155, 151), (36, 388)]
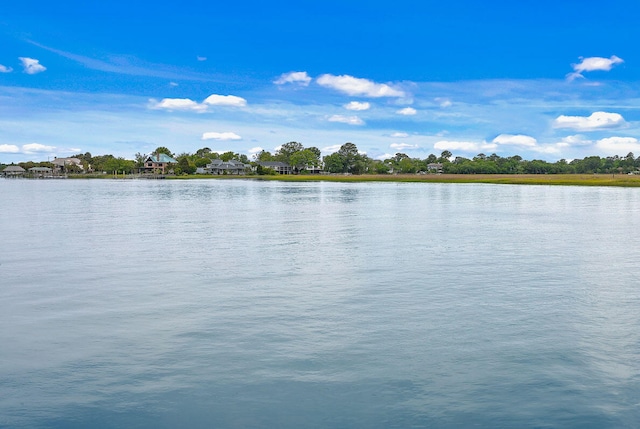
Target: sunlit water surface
[(250, 304)]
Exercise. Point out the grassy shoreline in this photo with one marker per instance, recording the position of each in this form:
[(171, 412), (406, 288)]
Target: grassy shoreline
[(619, 180)]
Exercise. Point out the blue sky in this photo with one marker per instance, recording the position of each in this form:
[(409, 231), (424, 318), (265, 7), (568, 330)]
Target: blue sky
[(543, 80)]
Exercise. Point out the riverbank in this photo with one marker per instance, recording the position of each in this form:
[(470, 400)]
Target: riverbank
[(619, 180)]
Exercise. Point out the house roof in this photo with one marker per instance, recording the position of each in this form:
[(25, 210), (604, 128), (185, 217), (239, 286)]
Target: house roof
[(14, 169), (163, 157), (273, 164), (231, 164), (66, 161)]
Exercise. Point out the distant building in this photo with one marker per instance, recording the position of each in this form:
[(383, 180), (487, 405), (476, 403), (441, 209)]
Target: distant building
[(61, 164), (434, 167), (41, 172), (279, 167), (13, 171), (219, 166), (158, 163)]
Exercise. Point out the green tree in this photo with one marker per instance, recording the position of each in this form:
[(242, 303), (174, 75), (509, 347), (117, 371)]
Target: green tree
[(444, 156), (263, 156), (301, 159), (227, 156), (162, 149), (185, 165), (140, 158), (350, 157), (202, 162), (334, 163), (202, 153), (286, 150)]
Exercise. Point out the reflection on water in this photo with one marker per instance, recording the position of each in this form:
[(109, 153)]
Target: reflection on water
[(216, 303)]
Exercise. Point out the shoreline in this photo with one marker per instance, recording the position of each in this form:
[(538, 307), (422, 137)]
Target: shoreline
[(621, 180), (609, 180)]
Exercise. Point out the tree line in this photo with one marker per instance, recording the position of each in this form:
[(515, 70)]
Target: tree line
[(348, 160)]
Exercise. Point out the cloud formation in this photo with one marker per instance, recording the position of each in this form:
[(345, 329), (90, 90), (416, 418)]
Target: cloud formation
[(464, 146), (403, 146), (30, 148), (357, 105), (5, 69), (515, 139), (220, 136), (407, 111), (225, 100), (31, 65), (184, 104), (593, 64), (595, 121), (187, 104), (331, 149), (619, 145), (351, 120), (300, 78), (9, 148), (399, 135), (37, 148), (358, 87)]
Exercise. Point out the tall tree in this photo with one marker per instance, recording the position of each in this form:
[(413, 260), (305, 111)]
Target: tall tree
[(286, 150), (162, 149)]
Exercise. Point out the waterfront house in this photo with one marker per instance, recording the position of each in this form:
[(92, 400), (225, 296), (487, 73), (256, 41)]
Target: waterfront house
[(158, 163), (277, 166), (218, 166), (434, 167), (41, 172), (13, 171), (63, 164)]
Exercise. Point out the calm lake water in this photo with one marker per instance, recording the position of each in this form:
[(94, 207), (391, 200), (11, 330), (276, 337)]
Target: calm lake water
[(250, 304)]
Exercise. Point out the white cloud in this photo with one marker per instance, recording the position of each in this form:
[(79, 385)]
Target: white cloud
[(443, 102), (300, 78), (199, 58), (220, 136), (351, 120), (174, 84), (593, 64), (399, 135), (619, 145), (576, 140), (464, 146), (254, 150), (550, 148), (407, 111), (178, 104), (357, 105), (517, 140), (9, 148), (31, 65), (331, 149), (225, 100), (37, 148), (5, 69), (384, 156), (595, 121), (358, 87), (403, 146)]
